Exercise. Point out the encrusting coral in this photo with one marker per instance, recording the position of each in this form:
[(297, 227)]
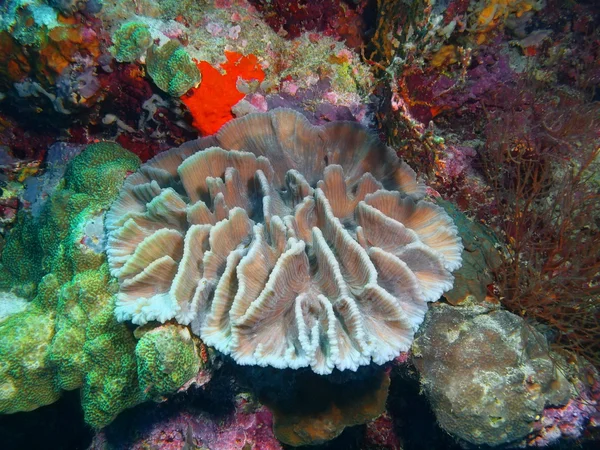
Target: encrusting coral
[(283, 244), (131, 41), (167, 358), (172, 69), (67, 336)]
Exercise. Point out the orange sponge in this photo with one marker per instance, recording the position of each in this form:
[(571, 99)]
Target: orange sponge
[(210, 104)]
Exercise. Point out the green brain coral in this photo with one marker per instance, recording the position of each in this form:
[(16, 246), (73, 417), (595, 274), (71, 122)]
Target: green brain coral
[(167, 358), (99, 171), (52, 243), (172, 69), (67, 337), (26, 378), (131, 41)]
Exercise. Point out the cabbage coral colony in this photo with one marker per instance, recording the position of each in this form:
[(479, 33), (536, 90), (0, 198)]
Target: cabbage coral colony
[(283, 244)]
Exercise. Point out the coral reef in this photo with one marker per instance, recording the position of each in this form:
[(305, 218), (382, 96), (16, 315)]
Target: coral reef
[(175, 259), (291, 240), (579, 416), (44, 42), (167, 358), (67, 337), (27, 380), (246, 425), (59, 251), (330, 17)]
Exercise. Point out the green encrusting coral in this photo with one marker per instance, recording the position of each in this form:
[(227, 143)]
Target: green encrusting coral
[(167, 358), (130, 41), (99, 171), (49, 244), (26, 377), (68, 338), (172, 69)]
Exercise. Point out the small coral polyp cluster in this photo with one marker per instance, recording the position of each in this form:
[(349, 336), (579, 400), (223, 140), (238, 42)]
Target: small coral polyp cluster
[(283, 244)]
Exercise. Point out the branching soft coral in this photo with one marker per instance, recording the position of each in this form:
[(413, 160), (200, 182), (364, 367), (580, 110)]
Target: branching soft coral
[(542, 165)]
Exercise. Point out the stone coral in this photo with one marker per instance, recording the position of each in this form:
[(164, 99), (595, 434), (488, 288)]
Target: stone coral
[(67, 337), (131, 41), (172, 69), (167, 359), (311, 247), (26, 379)]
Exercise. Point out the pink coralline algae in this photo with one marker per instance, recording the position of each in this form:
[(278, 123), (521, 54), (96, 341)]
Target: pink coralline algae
[(380, 434), (482, 81), (332, 17), (457, 160), (248, 427), (580, 416)]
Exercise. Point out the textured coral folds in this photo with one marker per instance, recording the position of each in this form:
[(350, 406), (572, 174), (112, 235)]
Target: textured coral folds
[(283, 244)]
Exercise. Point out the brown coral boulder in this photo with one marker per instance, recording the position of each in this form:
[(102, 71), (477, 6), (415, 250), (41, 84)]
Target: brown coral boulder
[(319, 411), (283, 244), (487, 373)]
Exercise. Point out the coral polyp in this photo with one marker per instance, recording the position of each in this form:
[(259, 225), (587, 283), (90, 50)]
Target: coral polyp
[(283, 244)]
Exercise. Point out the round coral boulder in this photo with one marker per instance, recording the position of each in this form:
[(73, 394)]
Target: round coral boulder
[(487, 373)]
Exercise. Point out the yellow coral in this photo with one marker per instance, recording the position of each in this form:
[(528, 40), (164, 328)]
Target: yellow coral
[(491, 14), (445, 56)]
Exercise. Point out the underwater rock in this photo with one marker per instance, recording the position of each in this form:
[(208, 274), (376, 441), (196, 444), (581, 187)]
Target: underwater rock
[(487, 373)]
